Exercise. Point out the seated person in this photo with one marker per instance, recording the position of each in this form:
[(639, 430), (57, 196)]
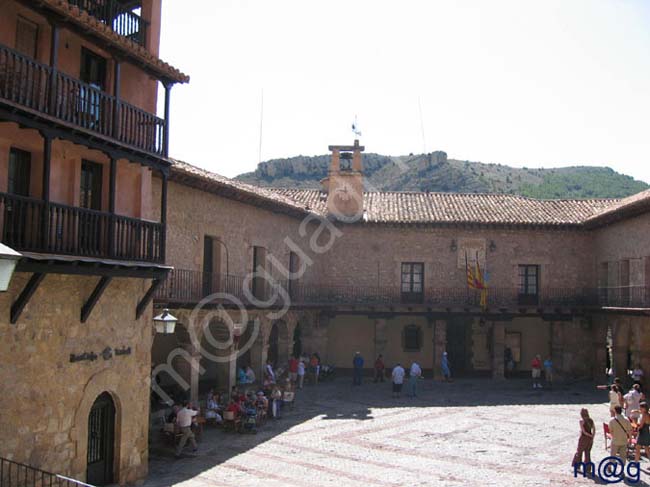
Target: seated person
[(171, 417), (262, 402), (234, 407), (213, 410), (250, 374)]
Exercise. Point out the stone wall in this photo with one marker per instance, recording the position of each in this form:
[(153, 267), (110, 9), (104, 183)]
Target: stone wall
[(45, 399)]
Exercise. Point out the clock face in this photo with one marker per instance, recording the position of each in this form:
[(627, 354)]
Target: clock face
[(344, 192)]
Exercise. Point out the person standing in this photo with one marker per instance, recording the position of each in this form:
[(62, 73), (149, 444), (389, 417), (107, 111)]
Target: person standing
[(184, 423), (414, 376), (621, 429), (357, 365), (586, 440), (548, 372), (637, 376), (632, 403), (269, 374), (293, 369), (536, 368), (398, 379), (314, 364), (446, 369), (643, 440), (379, 369), (301, 373)]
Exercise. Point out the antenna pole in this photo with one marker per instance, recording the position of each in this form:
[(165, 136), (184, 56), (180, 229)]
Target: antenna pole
[(259, 155)]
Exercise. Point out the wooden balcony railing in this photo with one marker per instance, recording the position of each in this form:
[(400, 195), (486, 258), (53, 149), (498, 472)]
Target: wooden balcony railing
[(188, 286), (38, 87), (32, 225), (121, 20)]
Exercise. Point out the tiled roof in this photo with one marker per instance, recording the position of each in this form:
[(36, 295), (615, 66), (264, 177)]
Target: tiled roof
[(624, 208), (74, 14), (188, 174), (419, 208), (456, 208)]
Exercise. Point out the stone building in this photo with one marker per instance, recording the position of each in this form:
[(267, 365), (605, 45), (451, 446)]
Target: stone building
[(79, 144), (386, 272)]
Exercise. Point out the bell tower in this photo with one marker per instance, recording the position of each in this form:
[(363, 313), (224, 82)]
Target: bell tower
[(344, 183)]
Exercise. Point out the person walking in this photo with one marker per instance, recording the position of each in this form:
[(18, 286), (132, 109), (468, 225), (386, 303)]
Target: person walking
[(446, 369), (184, 423), (620, 429), (414, 376), (536, 368), (643, 439), (379, 369), (397, 377), (586, 440), (357, 365)]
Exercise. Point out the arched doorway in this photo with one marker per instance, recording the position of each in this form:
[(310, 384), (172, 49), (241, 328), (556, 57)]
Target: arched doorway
[(101, 441), (277, 352)]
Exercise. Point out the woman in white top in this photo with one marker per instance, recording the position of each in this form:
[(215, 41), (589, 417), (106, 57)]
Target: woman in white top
[(613, 399)]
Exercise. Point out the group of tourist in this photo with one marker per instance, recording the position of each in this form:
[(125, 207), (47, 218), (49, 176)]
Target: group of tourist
[(629, 418)]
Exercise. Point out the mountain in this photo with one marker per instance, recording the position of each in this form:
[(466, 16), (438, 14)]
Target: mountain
[(435, 172)]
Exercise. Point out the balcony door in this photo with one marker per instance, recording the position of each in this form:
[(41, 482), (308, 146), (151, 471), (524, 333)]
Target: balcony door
[(18, 212), (90, 198), (412, 282), (528, 284), (211, 266), (93, 72)]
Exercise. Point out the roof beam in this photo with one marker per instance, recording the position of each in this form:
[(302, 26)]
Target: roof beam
[(28, 291), (146, 299), (88, 306)]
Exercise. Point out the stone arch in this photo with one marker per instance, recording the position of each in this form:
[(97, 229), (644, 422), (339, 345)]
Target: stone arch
[(79, 433), (215, 356)]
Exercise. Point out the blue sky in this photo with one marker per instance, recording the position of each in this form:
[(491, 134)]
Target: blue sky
[(525, 83)]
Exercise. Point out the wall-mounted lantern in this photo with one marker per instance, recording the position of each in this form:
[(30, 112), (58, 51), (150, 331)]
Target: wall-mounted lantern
[(454, 246), (165, 322)]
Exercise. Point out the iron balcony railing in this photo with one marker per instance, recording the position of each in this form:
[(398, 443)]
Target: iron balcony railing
[(14, 474), (190, 286), (121, 20), (40, 88), (29, 224)]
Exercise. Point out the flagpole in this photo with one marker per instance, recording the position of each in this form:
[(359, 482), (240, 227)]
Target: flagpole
[(466, 281)]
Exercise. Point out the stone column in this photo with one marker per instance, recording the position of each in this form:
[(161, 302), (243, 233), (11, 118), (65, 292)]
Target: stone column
[(599, 346), (641, 345), (620, 346), (439, 346), (380, 338), (194, 377), (498, 347), (557, 347)]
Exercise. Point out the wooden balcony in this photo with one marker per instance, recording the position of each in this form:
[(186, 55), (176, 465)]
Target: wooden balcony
[(120, 19), (189, 287), (52, 96), (32, 225)]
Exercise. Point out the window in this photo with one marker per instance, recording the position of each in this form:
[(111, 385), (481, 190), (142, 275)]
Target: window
[(20, 162), (93, 69), (91, 185), (528, 284), (412, 338), (412, 282), (26, 37)]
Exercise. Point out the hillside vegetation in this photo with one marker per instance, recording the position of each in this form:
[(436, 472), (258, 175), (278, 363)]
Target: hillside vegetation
[(434, 172)]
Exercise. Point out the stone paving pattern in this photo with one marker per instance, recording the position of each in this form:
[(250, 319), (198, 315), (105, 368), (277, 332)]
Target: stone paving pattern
[(469, 432)]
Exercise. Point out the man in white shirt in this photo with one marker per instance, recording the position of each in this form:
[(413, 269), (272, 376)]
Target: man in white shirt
[(632, 403), (414, 376), (398, 379), (184, 423)]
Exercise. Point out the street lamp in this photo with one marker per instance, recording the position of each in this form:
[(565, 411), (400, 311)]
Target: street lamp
[(8, 260), (165, 322)]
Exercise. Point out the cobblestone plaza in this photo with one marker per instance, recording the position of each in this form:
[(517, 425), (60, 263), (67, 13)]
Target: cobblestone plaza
[(470, 432)]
